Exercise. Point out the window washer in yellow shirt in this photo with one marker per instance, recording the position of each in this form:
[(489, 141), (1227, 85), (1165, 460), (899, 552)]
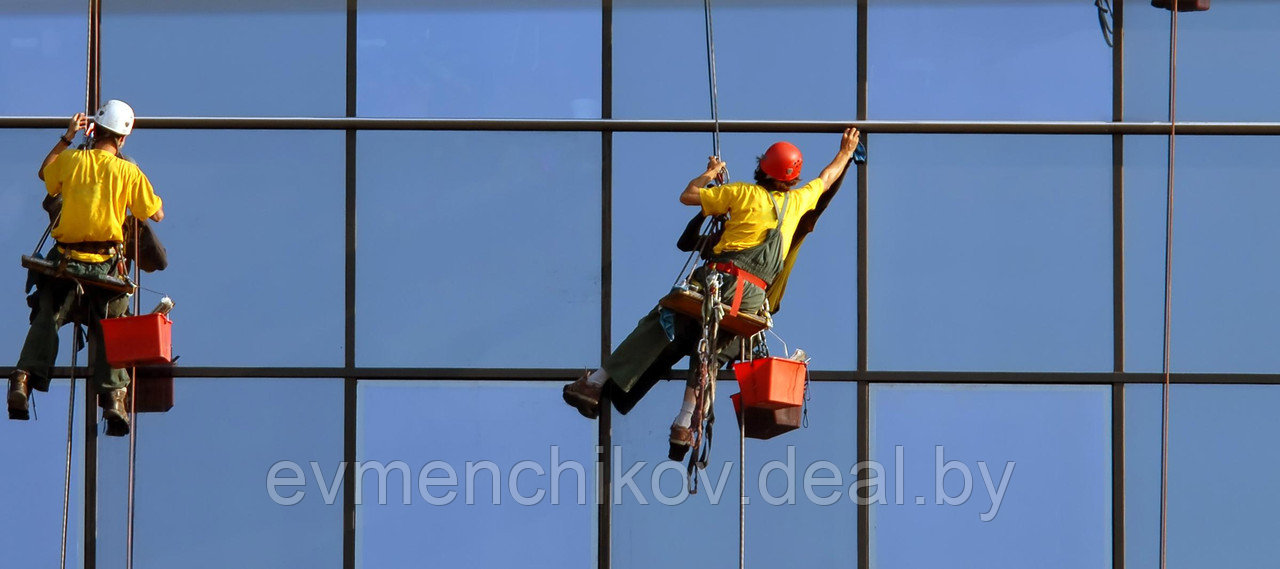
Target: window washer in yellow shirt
[(99, 189), (762, 220)]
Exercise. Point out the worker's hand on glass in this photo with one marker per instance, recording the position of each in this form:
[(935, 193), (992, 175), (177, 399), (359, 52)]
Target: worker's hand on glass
[(715, 169), (78, 121), (849, 140)]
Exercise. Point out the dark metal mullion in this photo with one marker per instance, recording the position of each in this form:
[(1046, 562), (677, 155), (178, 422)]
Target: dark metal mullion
[(864, 388), (93, 99), (1118, 294), (350, 384), (604, 508), (677, 125)]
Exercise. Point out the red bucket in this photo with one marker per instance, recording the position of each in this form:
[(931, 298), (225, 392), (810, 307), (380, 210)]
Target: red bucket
[(766, 423), (771, 383), (138, 340)]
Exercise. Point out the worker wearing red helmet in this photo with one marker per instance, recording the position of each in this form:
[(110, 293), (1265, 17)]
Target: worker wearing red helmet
[(762, 218)]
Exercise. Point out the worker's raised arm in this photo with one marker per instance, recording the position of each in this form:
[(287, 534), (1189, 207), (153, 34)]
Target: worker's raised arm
[(78, 121), (848, 142), (691, 195)]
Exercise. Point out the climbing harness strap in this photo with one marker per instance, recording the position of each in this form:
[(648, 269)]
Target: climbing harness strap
[(740, 275)]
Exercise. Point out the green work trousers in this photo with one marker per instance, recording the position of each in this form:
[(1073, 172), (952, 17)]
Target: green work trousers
[(56, 305)]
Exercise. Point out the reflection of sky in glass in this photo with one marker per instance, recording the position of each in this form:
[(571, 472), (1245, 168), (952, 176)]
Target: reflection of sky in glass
[(479, 249), (990, 253), (457, 423), (42, 65), (531, 61), (188, 60), (987, 61), (202, 471), (797, 62), (802, 534), (1056, 508)]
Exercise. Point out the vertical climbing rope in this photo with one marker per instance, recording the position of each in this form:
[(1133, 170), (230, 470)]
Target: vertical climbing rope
[(133, 404), (715, 145), (71, 424), (1168, 285), (711, 76), (742, 487)]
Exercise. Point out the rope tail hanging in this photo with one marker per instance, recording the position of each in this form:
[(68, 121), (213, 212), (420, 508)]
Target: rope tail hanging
[(133, 405), (715, 144), (1168, 285)]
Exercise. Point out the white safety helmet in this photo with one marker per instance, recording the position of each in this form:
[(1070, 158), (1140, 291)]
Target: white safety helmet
[(115, 116)]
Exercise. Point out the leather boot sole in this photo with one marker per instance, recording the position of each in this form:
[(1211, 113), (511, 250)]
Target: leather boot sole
[(117, 425), (585, 405), (677, 451), (18, 410)]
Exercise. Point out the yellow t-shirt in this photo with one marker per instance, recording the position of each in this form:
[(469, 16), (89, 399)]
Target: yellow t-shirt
[(751, 213), (96, 188)]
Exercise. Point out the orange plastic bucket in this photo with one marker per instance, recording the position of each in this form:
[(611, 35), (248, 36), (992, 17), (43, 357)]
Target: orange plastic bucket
[(771, 383), (138, 340)]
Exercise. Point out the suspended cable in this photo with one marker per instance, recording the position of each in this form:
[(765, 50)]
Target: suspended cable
[(133, 405), (711, 75), (1168, 285), (71, 425), (715, 146)]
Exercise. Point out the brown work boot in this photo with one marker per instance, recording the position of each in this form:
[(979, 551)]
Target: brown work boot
[(19, 396), (114, 411), (584, 396), (681, 438)]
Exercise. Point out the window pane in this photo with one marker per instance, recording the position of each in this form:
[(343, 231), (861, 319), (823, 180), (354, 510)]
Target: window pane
[(820, 308), (990, 253), (459, 59), (203, 478), (660, 65), (34, 466), (987, 60), (42, 57), (1225, 68), (778, 535), (254, 230), (1225, 317), (989, 467), (499, 272), (541, 501), (239, 58), (1221, 475)]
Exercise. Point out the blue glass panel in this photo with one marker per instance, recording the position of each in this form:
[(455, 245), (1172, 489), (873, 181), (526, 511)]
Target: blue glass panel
[(34, 469), (788, 524), (204, 477), (773, 60), (254, 231), (1222, 492), (1226, 71), (42, 57), (990, 253), (237, 58), (541, 502), (820, 307), (479, 249), (996, 476), (987, 61), (1225, 318), (469, 60)]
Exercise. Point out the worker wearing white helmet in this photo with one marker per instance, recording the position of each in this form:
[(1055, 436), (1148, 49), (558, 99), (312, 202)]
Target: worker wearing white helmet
[(99, 190)]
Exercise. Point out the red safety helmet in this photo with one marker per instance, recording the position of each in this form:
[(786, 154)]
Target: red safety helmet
[(782, 161)]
